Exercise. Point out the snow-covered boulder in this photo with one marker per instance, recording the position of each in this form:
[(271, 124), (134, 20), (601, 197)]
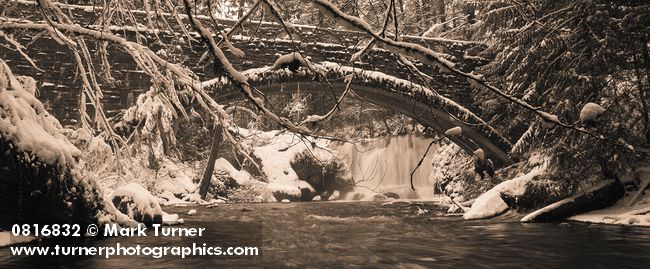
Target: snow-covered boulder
[(171, 219), (226, 178), (379, 197), (223, 168), (136, 202), (292, 191), (323, 171), (487, 205), (491, 203), (278, 155), (392, 195), (335, 196)]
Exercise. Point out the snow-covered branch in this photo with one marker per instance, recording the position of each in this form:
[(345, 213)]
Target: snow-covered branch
[(235, 76), (428, 56)]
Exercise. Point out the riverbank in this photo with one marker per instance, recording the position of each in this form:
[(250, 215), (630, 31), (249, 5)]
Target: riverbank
[(288, 162), (624, 212)]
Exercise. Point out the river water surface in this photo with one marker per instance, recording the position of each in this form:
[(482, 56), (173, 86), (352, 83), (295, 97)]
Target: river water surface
[(369, 235)]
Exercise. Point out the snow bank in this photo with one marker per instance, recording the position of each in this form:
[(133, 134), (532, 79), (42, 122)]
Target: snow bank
[(171, 183), (27, 125), (490, 204), (633, 209), (46, 162), (620, 215)]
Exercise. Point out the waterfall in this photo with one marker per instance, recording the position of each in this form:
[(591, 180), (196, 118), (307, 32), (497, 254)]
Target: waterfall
[(385, 165)]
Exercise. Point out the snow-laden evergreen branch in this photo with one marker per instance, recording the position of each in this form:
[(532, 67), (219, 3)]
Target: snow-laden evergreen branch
[(432, 58)]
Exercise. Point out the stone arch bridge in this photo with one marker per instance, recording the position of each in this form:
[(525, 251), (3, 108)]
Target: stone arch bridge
[(379, 78)]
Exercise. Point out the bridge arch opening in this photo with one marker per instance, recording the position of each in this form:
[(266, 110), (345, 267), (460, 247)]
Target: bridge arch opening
[(415, 101)]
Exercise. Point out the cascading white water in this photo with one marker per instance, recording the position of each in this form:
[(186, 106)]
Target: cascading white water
[(385, 165)]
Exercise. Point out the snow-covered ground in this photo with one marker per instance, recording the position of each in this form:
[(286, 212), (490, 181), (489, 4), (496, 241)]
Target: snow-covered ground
[(633, 209), (620, 213), (176, 182)]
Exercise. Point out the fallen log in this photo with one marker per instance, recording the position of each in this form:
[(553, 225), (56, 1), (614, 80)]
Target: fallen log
[(599, 196)]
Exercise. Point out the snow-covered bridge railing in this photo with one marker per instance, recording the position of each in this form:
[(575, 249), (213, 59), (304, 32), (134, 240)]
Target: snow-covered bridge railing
[(416, 101)]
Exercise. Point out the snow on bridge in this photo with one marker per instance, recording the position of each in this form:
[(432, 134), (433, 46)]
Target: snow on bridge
[(263, 43), (414, 100)]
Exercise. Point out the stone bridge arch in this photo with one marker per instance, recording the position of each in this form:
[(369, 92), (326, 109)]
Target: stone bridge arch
[(58, 82), (416, 101)]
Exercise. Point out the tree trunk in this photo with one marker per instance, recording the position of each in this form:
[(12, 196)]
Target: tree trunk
[(440, 12), (161, 131), (640, 80), (643, 91), (469, 12), (240, 12), (207, 175)]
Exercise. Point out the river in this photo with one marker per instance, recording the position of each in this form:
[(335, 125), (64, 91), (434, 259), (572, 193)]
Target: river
[(369, 235)]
